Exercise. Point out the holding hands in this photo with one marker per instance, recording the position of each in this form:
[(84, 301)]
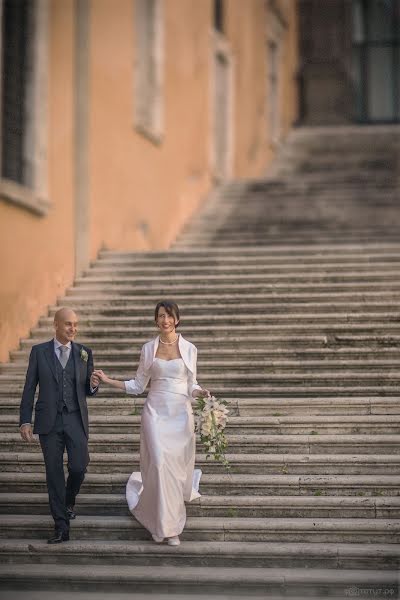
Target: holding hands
[(98, 377)]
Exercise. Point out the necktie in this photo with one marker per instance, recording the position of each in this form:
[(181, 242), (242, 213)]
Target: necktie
[(63, 356)]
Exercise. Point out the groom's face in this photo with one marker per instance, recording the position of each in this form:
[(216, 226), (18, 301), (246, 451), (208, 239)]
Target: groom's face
[(66, 326)]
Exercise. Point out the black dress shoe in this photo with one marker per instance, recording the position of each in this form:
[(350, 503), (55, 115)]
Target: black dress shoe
[(70, 512), (58, 537)]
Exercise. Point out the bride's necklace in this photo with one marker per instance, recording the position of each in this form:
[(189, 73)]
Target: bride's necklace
[(170, 343)]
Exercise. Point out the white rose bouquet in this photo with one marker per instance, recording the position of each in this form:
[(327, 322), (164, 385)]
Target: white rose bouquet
[(210, 417)]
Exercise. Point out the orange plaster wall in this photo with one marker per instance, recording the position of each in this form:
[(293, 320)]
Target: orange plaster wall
[(141, 192), (38, 252), (245, 31), (247, 34)]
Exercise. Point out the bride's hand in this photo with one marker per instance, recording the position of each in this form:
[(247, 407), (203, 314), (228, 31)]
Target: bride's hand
[(101, 376), (202, 392)]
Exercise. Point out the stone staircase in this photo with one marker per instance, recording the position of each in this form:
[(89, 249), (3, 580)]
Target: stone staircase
[(290, 287)]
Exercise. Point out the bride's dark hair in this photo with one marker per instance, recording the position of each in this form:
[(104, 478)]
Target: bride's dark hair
[(171, 308)]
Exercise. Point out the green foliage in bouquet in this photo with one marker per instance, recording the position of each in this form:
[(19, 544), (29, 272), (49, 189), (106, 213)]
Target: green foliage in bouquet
[(211, 416)]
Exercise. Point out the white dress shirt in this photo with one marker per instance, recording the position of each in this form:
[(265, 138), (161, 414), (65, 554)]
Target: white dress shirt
[(57, 350)]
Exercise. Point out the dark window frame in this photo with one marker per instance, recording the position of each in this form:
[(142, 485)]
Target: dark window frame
[(363, 49)]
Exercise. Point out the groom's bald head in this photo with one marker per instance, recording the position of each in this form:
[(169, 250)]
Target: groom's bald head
[(65, 325), (65, 313)]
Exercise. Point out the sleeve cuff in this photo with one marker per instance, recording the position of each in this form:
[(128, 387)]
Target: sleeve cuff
[(130, 387), (23, 425)]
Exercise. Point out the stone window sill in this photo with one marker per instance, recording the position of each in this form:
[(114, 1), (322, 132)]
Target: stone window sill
[(23, 197), (150, 133)]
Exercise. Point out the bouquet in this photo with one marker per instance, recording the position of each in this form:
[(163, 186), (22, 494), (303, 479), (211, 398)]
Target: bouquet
[(210, 417)]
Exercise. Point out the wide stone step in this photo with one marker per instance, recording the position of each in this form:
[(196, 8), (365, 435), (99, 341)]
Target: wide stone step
[(219, 309), (254, 383), (236, 581), (196, 289), (208, 370), (240, 426), (221, 506), (175, 263), (229, 484), (253, 444), (257, 406), (249, 223), (304, 190), (203, 553), (275, 464), (274, 233), (297, 389), (257, 270), (301, 251), (217, 331), (307, 237), (258, 277), (215, 528), (264, 254), (241, 319), (94, 299), (224, 341), (243, 356), (322, 229)]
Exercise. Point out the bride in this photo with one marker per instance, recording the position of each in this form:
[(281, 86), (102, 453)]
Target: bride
[(167, 476)]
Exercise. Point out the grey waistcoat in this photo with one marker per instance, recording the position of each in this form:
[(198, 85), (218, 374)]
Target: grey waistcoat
[(67, 386)]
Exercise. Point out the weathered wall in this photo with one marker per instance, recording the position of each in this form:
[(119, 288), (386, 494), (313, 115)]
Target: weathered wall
[(140, 192), (247, 32), (37, 253)]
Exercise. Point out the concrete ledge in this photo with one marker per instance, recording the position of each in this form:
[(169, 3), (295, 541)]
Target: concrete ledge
[(290, 582), (198, 553), (242, 529), (367, 507)]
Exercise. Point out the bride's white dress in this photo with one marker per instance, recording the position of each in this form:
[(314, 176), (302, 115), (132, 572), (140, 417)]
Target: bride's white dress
[(156, 495)]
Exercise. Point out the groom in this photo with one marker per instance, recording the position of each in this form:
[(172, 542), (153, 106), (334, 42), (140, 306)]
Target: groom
[(64, 372)]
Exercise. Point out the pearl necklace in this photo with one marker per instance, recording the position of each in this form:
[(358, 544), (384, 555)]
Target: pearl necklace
[(170, 343)]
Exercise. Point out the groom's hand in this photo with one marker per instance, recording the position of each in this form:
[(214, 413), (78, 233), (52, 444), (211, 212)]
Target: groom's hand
[(94, 380), (101, 376), (26, 433)]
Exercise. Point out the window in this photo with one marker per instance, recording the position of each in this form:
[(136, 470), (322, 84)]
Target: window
[(219, 15), (273, 91), (149, 69), (275, 48), (23, 103), (376, 60), (17, 39), (221, 137)]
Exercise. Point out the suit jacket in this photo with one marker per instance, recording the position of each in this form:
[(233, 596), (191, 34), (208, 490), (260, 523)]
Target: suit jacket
[(42, 371), (188, 352)]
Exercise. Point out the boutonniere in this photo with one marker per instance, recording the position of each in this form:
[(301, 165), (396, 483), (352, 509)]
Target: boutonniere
[(84, 355)]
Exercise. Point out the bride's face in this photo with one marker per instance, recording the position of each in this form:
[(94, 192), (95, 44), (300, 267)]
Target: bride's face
[(165, 322)]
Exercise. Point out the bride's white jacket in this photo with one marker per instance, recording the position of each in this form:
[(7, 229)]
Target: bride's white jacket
[(188, 352)]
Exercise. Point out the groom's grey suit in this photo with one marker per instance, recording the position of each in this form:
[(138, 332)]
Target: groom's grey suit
[(61, 419)]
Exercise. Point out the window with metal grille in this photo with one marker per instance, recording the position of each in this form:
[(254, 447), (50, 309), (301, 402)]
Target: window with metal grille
[(149, 57), (17, 54), (219, 15)]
